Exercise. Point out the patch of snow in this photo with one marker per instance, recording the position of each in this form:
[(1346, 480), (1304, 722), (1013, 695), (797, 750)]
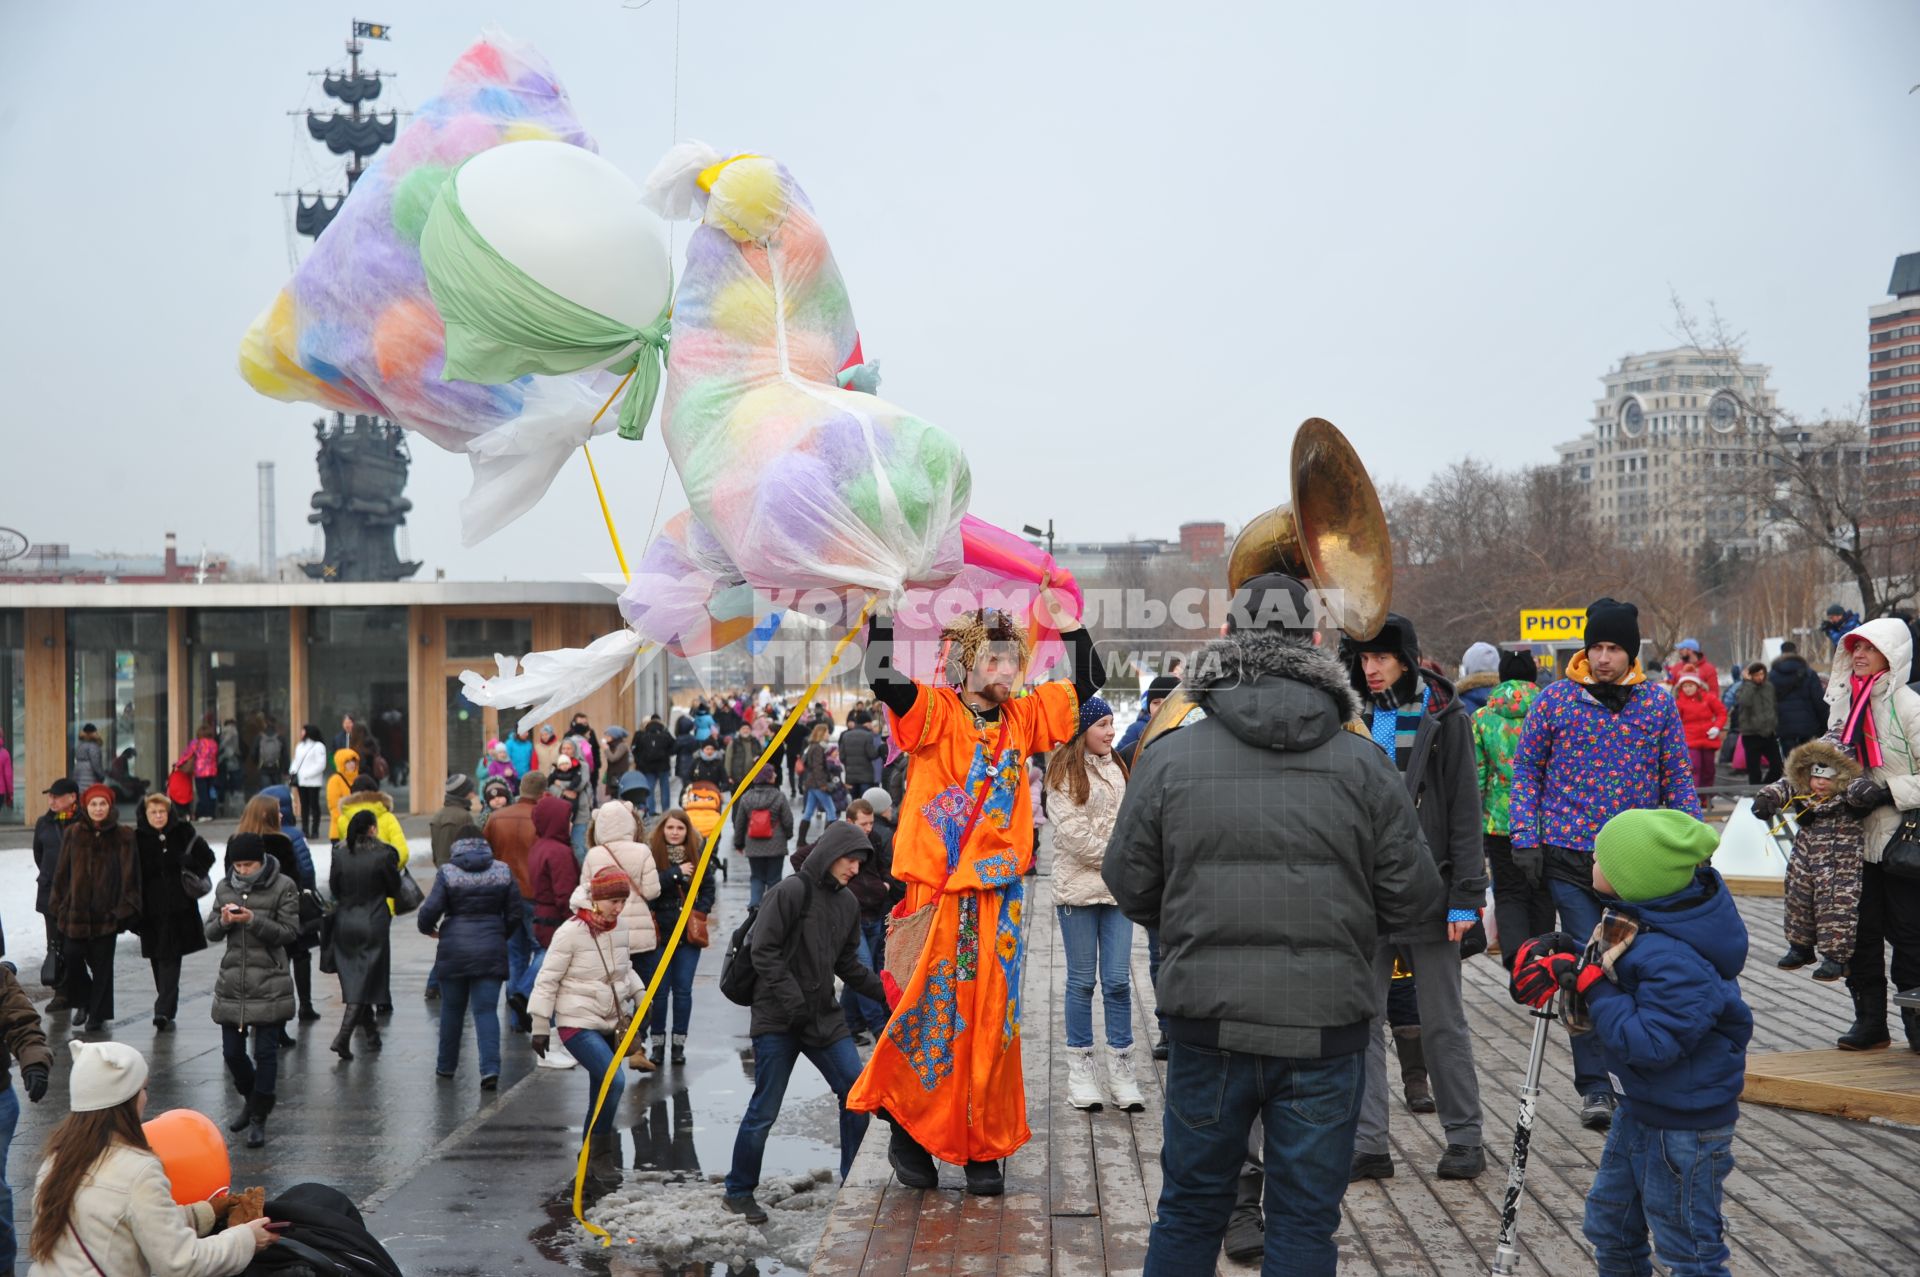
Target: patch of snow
[(674, 1218)]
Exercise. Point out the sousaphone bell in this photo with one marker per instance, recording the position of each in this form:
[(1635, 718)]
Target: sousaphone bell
[(1331, 535)]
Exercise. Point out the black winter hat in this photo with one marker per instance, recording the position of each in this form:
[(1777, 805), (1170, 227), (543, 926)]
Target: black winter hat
[(1396, 637), (1518, 667), (1611, 621), (246, 847), (1274, 602), (1162, 687)]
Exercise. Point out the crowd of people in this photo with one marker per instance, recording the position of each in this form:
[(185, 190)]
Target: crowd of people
[(1311, 857)]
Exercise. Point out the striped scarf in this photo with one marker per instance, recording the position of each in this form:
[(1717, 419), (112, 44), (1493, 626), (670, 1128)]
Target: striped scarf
[(1394, 728)]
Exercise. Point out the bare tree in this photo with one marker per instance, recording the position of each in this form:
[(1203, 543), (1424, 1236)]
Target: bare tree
[(1810, 483)]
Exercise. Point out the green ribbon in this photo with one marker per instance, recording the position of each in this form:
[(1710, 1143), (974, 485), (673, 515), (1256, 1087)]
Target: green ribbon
[(503, 324)]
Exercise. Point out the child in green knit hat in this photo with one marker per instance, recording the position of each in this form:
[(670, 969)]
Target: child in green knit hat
[(1672, 1030)]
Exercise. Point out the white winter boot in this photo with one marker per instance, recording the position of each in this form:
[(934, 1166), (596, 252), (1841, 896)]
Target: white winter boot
[(1083, 1085), (1120, 1083)]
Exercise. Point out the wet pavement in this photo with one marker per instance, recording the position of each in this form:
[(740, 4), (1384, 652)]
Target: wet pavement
[(454, 1180)]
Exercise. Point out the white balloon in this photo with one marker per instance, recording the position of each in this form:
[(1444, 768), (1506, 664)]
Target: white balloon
[(572, 222)]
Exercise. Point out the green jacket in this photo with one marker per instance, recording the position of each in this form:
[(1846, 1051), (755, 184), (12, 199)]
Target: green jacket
[(1496, 734)]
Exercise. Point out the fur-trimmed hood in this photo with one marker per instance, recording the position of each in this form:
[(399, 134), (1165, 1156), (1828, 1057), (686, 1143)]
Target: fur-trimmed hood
[(1800, 765), (1474, 682), (1273, 691)]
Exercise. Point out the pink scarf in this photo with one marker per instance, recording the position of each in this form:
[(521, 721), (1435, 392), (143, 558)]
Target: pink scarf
[(1860, 720)]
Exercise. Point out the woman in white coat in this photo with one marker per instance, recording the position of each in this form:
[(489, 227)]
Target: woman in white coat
[(615, 846), (103, 1206), (1085, 784), (587, 988), (1872, 711)]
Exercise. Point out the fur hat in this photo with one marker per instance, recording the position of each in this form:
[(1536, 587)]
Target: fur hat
[(968, 638), (105, 1075), (1820, 754)]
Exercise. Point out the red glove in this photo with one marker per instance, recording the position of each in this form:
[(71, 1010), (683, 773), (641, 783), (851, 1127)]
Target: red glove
[(1584, 977), (1535, 982)]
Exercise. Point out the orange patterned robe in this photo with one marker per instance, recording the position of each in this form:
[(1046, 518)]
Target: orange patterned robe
[(948, 1066)]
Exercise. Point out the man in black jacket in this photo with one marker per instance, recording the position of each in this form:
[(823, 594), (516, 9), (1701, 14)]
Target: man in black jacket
[(653, 759), (808, 931), (48, 833), (861, 752), (1799, 699), (1272, 845), (1417, 720)]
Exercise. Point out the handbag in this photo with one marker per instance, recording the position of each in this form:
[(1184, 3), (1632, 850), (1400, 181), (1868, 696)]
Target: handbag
[(329, 959), (313, 911), (1902, 856), (194, 884), (697, 934), (408, 898), (907, 936)]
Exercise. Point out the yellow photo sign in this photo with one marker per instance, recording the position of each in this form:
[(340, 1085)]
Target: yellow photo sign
[(1552, 624)]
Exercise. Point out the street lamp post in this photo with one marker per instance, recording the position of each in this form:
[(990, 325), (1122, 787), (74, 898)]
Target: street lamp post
[(1032, 531)]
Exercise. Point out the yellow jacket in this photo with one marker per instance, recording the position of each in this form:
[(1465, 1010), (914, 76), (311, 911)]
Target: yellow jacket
[(387, 824), (346, 767)]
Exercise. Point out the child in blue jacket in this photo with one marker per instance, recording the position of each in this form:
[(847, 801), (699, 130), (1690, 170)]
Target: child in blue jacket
[(1673, 1030)]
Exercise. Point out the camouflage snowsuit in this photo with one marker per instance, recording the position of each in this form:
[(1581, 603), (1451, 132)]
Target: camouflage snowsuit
[(1823, 875)]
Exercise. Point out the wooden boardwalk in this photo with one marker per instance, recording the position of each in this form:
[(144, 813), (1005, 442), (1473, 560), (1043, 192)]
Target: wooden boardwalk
[(1809, 1194)]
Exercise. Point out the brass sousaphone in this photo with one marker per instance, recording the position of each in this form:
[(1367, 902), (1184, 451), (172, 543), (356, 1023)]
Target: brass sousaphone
[(1331, 535)]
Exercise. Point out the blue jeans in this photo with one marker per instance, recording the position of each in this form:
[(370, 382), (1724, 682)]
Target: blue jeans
[(596, 1057), (862, 1012), (1308, 1108), (580, 843), (482, 994), (774, 1055), (765, 873), (1579, 915), (519, 943), (9, 1119), (259, 1075), (677, 988), (1670, 1181), (1097, 938), (817, 799)]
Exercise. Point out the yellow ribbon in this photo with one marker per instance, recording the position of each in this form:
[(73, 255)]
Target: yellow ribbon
[(600, 492), (686, 912)]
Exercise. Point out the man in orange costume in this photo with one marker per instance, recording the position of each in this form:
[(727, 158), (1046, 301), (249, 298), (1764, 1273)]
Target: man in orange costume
[(946, 1073)]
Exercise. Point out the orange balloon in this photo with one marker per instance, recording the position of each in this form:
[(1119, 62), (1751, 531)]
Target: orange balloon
[(407, 335), (193, 1152)]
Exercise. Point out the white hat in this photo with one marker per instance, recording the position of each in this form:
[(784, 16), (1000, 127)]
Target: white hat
[(105, 1074)]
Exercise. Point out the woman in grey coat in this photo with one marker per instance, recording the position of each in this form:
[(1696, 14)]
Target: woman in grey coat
[(256, 910), (89, 758), (365, 875)]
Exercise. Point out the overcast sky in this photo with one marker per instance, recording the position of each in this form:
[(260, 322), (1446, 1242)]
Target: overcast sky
[(1118, 250)]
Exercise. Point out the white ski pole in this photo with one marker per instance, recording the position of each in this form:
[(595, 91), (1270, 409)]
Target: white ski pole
[(1506, 1255)]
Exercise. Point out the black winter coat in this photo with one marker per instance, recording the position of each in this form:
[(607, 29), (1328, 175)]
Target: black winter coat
[(364, 876), (1800, 702), (1272, 846), (169, 918), (1443, 779), (860, 754), (795, 959), (473, 905), (48, 833), (653, 751)]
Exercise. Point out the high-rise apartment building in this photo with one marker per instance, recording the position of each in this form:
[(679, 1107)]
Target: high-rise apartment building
[(1893, 386), (1670, 451)]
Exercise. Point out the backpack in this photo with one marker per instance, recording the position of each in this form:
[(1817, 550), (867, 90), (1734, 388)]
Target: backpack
[(760, 822), (269, 751), (738, 979)]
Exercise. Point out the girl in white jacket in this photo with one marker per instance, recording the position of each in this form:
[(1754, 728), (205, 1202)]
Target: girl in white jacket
[(586, 987), (1085, 784), (614, 847), (103, 1206)]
